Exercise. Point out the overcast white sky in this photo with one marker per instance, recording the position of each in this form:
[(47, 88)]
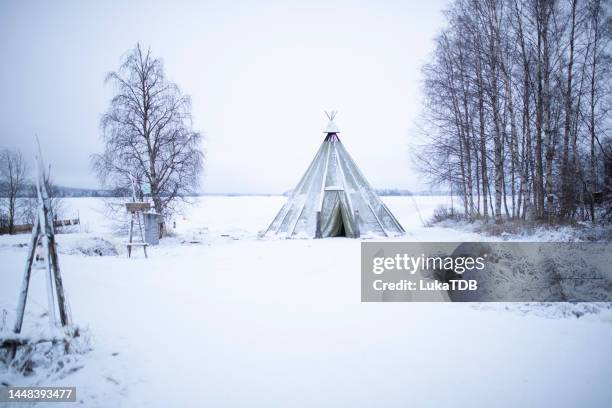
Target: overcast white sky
[(260, 75)]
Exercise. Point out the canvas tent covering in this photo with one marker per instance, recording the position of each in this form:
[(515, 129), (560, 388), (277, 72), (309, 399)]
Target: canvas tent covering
[(333, 198)]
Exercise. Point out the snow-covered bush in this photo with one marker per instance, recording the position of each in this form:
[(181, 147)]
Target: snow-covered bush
[(93, 246), (550, 310), (510, 227), (443, 213), (43, 356)]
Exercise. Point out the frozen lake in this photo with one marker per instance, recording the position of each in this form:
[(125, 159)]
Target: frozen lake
[(248, 214)]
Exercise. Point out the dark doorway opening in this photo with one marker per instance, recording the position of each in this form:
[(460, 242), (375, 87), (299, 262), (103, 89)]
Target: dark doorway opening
[(341, 231), (338, 230)]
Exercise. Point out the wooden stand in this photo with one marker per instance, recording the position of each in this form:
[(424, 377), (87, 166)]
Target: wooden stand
[(43, 230), (136, 210)]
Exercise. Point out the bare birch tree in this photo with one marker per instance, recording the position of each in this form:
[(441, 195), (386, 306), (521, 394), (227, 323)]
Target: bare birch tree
[(13, 181), (147, 134), (517, 106)]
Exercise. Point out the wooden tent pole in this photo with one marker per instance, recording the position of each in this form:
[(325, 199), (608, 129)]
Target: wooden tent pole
[(43, 220), (25, 284), (46, 221), (62, 302), (49, 275)]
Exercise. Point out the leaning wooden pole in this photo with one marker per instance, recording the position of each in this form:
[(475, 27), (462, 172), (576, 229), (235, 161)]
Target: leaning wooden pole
[(25, 284), (62, 302), (43, 221), (49, 234)]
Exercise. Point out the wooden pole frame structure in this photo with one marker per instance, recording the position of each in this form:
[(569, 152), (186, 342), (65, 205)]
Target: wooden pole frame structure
[(136, 210), (43, 230)]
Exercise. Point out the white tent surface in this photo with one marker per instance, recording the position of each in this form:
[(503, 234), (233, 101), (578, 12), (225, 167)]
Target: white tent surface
[(333, 198)]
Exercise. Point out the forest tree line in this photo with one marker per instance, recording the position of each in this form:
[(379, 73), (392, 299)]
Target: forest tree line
[(517, 108)]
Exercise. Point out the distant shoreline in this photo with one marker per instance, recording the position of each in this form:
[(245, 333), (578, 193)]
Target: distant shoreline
[(75, 192), (108, 194)]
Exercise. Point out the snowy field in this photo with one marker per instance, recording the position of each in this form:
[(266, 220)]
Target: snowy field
[(217, 317)]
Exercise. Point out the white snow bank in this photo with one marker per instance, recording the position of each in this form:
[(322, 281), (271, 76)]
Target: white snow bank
[(89, 246), (593, 311), (44, 356)]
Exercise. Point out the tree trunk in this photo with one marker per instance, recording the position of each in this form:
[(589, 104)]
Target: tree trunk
[(567, 192)]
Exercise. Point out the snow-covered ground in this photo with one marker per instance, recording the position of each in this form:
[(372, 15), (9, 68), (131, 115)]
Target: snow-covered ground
[(217, 317)]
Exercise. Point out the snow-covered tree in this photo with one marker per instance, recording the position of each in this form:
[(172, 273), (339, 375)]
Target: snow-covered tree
[(147, 134)]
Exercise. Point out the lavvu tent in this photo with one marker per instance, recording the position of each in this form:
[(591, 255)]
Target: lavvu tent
[(333, 198)]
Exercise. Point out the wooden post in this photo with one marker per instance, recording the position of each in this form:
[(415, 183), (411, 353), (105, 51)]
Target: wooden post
[(136, 209), (142, 238), (47, 229), (356, 232), (318, 227), (129, 247), (43, 220), (25, 283), (49, 277), (62, 302)]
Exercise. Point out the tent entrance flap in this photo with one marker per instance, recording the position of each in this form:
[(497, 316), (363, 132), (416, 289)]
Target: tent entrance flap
[(336, 216)]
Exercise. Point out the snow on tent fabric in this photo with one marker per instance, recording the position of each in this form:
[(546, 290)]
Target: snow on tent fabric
[(333, 198)]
